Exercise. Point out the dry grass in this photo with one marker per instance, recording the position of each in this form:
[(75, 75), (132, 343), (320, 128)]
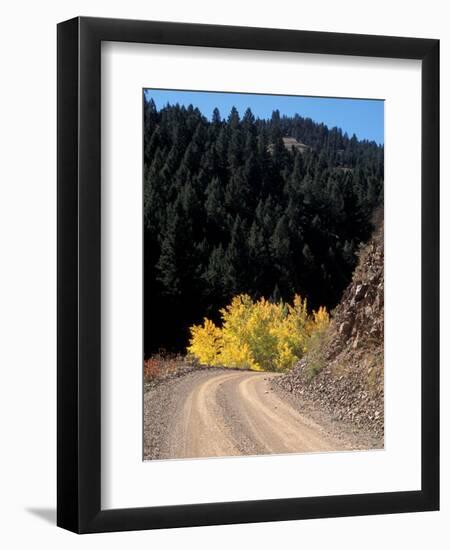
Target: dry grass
[(160, 366)]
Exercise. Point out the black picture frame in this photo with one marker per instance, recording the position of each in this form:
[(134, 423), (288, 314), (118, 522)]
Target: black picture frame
[(79, 281)]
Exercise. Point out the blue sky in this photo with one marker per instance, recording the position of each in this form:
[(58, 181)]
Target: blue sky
[(363, 117)]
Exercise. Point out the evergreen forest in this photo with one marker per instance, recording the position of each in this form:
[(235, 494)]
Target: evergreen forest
[(237, 205)]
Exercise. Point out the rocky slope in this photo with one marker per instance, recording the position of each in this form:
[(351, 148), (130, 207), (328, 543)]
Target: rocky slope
[(343, 372)]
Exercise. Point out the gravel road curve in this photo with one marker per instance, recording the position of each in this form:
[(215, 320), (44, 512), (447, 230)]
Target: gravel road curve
[(227, 413)]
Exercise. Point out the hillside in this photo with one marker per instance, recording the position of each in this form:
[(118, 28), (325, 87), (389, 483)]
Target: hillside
[(238, 205), (344, 372)]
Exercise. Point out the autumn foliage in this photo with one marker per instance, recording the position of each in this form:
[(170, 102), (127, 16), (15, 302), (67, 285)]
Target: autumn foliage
[(257, 335)]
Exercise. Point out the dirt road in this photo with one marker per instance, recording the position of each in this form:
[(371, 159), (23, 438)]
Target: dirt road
[(227, 413)]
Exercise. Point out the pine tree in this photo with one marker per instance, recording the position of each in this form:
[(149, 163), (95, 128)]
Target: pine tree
[(236, 259), (233, 119), (216, 118)]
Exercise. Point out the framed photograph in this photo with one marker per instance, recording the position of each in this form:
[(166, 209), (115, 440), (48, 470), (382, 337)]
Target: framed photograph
[(248, 293)]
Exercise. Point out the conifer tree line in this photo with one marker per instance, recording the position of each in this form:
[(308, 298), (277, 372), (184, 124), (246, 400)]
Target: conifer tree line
[(229, 209)]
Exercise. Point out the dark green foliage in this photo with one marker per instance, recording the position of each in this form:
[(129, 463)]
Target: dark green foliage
[(229, 209)]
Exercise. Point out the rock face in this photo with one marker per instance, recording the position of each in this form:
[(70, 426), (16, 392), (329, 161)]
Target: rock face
[(291, 143), (345, 373)]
